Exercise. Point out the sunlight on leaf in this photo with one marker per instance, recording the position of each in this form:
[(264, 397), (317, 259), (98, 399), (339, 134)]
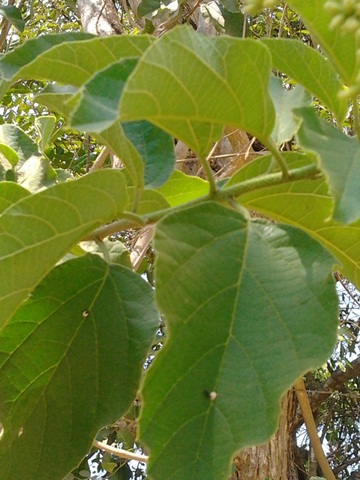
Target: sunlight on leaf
[(38, 229)]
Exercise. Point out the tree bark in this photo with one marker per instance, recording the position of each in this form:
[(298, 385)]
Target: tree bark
[(99, 17), (275, 459)]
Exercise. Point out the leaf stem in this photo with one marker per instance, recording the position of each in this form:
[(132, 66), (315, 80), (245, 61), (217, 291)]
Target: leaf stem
[(103, 250), (355, 108), (205, 162), (128, 220), (272, 179), (278, 157), (131, 220)]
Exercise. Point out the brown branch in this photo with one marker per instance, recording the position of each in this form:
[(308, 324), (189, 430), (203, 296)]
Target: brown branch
[(312, 430), (334, 383), (5, 27)]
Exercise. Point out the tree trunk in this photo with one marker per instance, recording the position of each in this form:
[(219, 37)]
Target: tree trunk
[(273, 460), (99, 17)]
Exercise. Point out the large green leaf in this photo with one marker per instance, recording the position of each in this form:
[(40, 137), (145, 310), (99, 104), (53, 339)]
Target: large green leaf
[(249, 307), (340, 47), (286, 124), (308, 67), (14, 65), (10, 193), (63, 59), (71, 360), (305, 204), (190, 85), (38, 229), (339, 156)]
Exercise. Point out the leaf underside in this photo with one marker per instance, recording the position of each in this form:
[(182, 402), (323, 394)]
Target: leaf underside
[(261, 298)]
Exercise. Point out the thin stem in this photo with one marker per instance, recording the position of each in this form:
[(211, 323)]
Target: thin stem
[(100, 159), (312, 430), (208, 171), (131, 220), (355, 108), (273, 179), (119, 452), (128, 221), (279, 158), (103, 250), (282, 21)]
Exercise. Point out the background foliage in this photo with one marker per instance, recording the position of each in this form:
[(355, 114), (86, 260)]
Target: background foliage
[(240, 276)]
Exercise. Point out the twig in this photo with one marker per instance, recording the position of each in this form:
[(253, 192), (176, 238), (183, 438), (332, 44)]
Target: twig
[(100, 159), (333, 383), (312, 430), (282, 21), (355, 109), (119, 452)]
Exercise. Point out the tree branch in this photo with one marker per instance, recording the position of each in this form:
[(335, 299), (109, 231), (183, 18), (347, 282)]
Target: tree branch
[(119, 452), (312, 430), (332, 384)]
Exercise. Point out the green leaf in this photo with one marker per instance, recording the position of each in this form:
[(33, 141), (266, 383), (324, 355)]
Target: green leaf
[(203, 87), (117, 252), (156, 149), (37, 230), (17, 140), (17, 63), (307, 205), (59, 99), (148, 6), (340, 47), (149, 201), (115, 138), (70, 58), (99, 104), (261, 297), (286, 125), (308, 67), (181, 188), (98, 110), (339, 156), (10, 193), (36, 173), (13, 16), (45, 126), (71, 366), (11, 157)]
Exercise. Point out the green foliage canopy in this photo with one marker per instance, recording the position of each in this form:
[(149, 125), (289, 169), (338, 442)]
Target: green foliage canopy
[(249, 304)]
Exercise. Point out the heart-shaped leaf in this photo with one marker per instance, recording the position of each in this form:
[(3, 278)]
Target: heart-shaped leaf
[(191, 85), (307, 205), (71, 366), (38, 229), (261, 297)]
